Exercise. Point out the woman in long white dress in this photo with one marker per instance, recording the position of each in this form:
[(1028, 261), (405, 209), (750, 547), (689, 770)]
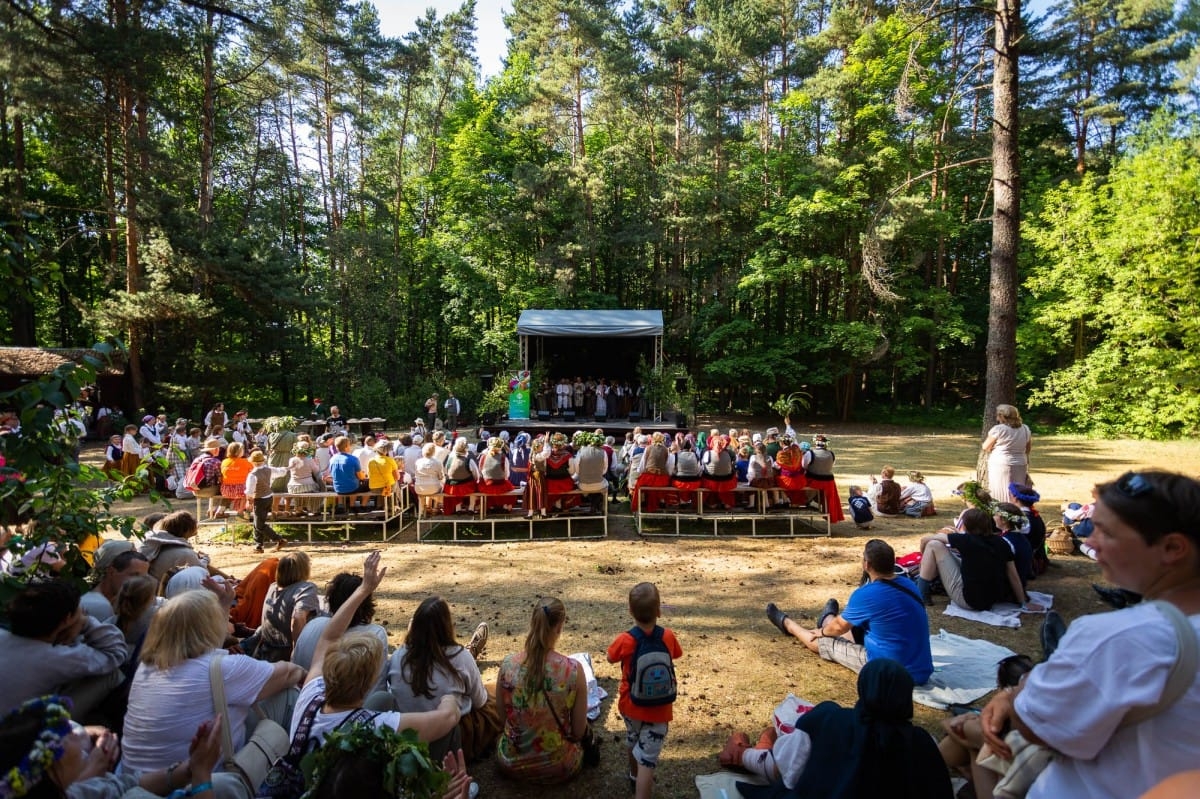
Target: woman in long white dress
[(1007, 446)]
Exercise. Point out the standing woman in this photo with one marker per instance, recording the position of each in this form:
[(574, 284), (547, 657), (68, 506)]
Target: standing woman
[(234, 471), (1147, 539), (1007, 446), (535, 488), (541, 695)]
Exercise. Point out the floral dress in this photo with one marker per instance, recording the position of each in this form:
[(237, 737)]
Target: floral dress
[(533, 747)]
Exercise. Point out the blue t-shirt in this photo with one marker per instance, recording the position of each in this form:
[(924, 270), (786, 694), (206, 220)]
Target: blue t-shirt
[(860, 509), (344, 468), (896, 625)]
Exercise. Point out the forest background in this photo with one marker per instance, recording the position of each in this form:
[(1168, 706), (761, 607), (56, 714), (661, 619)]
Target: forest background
[(270, 201)]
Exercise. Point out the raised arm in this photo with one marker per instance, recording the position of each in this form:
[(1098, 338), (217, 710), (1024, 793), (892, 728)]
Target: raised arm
[(373, 575)]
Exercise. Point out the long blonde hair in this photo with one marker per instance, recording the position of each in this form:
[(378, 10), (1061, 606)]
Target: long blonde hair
[(548, 614), (186, 627)]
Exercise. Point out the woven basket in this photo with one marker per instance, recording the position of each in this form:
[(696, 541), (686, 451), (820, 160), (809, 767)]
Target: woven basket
[(1060, 541)]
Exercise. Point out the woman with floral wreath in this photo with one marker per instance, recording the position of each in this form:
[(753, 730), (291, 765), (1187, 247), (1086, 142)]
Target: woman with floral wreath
[(46, 755)]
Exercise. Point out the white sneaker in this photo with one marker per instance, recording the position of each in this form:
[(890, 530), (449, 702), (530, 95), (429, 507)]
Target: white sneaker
[(473, 791)]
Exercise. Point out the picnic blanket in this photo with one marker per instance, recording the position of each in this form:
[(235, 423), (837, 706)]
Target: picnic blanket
[(964, 669), (723, 784), (1003, 614)]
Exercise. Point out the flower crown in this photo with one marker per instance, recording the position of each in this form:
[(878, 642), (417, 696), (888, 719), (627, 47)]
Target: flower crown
[(404, 762), (47, 749)]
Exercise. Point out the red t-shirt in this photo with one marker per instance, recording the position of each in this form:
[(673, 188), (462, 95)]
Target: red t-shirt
[(621, 650)]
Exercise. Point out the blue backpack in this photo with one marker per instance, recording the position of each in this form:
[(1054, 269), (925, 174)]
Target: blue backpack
[(651, 670)]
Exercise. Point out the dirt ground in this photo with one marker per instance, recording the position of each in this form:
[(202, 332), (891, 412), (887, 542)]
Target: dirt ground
[(736, 666)]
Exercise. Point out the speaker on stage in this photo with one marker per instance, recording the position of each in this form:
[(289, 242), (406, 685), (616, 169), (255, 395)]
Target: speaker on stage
[(568, 416), (634, 416), (543, 415)]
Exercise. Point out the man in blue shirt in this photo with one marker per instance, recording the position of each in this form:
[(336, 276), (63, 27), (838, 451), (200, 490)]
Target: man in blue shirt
[(883, 619), (345, 471)]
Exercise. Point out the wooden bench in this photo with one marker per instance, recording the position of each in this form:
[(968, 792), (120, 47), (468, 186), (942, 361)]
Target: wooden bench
[(809, 514), (428, 522), (330, 509)]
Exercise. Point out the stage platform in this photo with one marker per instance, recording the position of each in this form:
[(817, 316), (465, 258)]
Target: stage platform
[(612, 427)]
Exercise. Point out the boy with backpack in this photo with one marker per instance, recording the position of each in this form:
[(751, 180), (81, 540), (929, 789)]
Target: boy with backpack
[(648, 686)]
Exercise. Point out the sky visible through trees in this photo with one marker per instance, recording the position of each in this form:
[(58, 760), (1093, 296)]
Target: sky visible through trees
[(274, 201)]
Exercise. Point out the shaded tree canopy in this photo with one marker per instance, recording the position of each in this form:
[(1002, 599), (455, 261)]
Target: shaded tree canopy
[(272, 202)]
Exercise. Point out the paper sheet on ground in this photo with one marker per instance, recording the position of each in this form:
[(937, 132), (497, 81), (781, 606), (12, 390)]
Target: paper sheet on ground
[(1004, 614), (964, 669), (595, 692)]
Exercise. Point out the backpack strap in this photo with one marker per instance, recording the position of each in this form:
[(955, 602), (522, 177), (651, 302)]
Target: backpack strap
[(893, 584), (1183, 670)]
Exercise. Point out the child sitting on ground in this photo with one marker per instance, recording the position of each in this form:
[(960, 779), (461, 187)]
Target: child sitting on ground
[(916, 499), (885, 492), (860, 509), (775, 757), (646, 718)]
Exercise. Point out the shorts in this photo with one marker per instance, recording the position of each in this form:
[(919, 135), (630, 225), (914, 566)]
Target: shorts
[(842, 651), (645, 740)]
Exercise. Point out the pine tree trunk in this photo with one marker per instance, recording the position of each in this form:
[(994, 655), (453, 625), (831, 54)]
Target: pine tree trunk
[(1006, 192)]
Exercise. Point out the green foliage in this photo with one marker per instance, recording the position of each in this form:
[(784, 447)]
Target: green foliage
[(407, 770), (1115, 292), (46, 494)]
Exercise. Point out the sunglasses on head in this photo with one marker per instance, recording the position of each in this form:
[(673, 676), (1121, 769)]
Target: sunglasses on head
[(1134, 485)]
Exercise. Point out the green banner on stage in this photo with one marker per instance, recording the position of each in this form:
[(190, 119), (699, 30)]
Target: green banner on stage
[(518, 395)]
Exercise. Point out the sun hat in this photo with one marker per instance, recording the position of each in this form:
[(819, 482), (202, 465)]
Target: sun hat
[(212, 444), (383, 445), (258, 456)]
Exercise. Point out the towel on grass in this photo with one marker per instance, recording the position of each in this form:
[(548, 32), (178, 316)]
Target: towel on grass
[(1002, 614), (723, 784), (964, 669)]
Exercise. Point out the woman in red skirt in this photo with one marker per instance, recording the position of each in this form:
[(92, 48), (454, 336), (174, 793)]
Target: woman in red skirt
[(558, 474), (818, 468), (462, 477), (719, 477), (790, 460), (494, 473)]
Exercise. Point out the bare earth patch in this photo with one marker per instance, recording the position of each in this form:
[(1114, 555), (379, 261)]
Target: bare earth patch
[(736, 666)]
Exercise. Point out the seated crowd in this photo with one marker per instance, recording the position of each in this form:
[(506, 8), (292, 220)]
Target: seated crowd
[(178, 668)]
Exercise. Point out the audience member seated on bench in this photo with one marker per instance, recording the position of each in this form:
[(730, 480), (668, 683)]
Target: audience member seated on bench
[(345, 472), (383, 473), (494, 473), (790, 462), (54, 647), (462, 477), (761, 473), (428, 478), (719, 478), (590, 465), (559, 483), (685, 477), (655, 472)]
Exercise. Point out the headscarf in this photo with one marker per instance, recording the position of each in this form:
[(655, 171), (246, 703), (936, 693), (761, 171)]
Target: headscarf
[(18, 779), (876, 749)]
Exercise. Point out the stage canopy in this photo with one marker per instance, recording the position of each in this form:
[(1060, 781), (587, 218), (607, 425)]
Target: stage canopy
[(571, 343), (579, 324)]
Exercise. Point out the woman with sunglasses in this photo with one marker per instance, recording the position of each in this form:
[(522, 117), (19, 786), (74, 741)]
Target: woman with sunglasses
[(1111, 667), (543, 700)]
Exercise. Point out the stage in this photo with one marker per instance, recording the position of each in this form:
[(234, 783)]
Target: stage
[(617, 428)]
